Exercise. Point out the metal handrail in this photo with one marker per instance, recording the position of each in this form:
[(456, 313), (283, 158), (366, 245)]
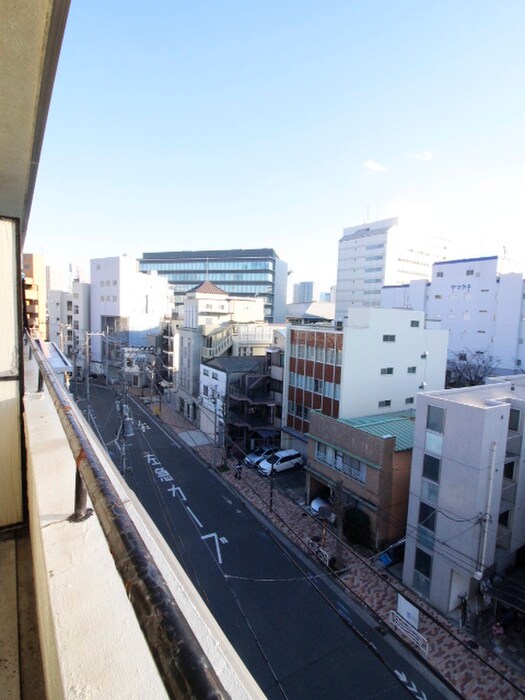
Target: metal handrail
[(181, 661)]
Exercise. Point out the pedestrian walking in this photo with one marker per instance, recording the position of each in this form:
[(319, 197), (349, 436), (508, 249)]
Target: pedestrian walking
[(238, 470)]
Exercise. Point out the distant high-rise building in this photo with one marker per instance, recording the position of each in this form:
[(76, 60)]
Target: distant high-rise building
[(379, 253), (303, 292), (249, 273)]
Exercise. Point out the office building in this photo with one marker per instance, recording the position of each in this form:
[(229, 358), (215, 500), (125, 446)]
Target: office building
[(482, 307), (376, 363), (127, 307), (379, 253), (303, 293), (251, 273)]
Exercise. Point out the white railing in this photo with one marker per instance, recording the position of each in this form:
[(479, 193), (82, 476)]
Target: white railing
[(406, 629), (316, 549)]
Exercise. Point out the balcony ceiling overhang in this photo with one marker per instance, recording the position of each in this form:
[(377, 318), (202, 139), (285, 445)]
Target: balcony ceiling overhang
[(30, 40)]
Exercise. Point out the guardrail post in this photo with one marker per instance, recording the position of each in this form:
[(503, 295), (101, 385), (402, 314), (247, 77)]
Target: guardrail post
[(40, 387), (81, 511)]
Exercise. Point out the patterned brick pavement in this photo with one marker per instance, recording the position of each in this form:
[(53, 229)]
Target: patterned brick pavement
[(476, 674)]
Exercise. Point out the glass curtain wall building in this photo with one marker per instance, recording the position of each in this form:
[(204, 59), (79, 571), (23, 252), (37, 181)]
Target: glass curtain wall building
[(253, 273)]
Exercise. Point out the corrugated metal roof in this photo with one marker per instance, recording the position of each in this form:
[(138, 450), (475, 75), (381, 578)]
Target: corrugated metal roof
[(398, 424)]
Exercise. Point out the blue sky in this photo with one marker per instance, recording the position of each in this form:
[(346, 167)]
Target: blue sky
[(276, 123)]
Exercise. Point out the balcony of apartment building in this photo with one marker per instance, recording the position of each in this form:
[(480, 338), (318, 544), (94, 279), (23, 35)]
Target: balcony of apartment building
[(70, 588), (94, 605), (216, 343)]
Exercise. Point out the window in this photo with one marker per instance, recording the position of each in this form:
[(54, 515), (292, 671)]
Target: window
[(384, 404), (514, 420), (101, 283), (387, 370), (318, 386), (411, 370), (437, 296), (214, 375), (423, 563), (508, 470), (409, 399), (389, 339), (205, 390), (206, 372), (469, 273), (504, 518), (431, 468), (414, 324), (435, 418), (462, 357), (427, 516), (439, 274)]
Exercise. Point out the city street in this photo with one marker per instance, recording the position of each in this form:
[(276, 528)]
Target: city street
[(286, 619)]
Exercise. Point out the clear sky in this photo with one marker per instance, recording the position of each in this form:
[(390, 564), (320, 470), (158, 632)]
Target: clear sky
[(276, 123)]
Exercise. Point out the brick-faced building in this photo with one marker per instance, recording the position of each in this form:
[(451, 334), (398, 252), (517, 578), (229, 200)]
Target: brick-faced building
[(370, 458), (314, 374)]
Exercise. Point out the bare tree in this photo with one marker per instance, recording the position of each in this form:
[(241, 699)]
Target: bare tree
[(469, 368)]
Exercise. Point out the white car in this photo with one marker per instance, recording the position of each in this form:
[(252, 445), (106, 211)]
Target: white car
[(253, 459), (280, 461)]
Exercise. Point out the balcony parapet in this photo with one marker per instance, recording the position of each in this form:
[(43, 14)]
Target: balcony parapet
[(109, 584)]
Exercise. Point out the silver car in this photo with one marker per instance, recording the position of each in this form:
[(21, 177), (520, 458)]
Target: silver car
[(253, 459)]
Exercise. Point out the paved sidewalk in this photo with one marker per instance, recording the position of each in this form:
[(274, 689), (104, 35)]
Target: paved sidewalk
[(476, 674)]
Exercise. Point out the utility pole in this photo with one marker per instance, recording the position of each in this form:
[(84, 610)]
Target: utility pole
[(88, 363), (339, 515)]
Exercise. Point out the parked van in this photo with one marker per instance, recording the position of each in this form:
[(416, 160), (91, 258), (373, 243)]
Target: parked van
[(280, 461)]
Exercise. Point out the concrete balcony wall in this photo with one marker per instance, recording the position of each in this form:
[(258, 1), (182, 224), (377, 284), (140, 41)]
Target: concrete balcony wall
[(92, 645)]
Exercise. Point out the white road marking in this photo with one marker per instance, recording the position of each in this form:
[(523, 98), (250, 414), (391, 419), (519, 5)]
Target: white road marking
[(174, 490), (194, 516), (216, 540)]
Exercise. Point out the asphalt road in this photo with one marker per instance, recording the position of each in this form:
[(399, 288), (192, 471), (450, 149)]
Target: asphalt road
[(289, 623)]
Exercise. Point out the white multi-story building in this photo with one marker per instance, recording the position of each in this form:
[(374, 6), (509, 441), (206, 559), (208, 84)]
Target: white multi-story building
[(389, 355), (81, 322), (211, 321), (481, 307), (379, 253), (127, 306), (60, 319), (376, 363), (467, 486)]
